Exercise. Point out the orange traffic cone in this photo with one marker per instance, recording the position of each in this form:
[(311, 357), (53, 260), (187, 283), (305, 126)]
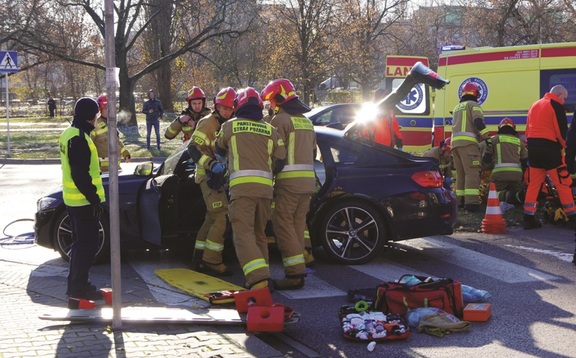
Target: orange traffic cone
[(493, 222)]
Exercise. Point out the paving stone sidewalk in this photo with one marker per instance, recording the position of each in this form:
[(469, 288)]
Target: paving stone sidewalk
[(25, 296)]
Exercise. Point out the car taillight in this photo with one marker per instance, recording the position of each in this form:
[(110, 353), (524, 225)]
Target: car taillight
[(428, 179)]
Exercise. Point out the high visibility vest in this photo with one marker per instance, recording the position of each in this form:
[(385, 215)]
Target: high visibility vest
[(507, 153), (70, 192), (464, 131)]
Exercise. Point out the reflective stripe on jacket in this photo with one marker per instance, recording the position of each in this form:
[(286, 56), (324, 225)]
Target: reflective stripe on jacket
[(464, 131)]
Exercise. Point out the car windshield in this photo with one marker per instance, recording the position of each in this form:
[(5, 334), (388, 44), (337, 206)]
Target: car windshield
[(170, 164)]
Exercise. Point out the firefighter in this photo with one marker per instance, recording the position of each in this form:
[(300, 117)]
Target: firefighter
[(255, 152), (467, 128), (83, 193), (210, 239), (509, 157), (190, 116), (442, 153), (546, 128), (296, 183), (100, 136)]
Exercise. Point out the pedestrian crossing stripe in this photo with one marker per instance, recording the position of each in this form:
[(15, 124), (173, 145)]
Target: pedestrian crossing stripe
[(9, 61)]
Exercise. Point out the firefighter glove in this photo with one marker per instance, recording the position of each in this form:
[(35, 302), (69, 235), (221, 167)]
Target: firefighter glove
[(97, 210), (217, 168)]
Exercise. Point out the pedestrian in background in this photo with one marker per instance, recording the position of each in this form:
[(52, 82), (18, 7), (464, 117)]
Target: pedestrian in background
[(467, 129), (255, 152), (546, 128), (294, 185), (100, 137), (83, 193), (154, 111), (190, 115), (51, 106), (209, 242)]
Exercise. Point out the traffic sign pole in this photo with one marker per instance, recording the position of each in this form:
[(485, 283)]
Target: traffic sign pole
[(7, 117)]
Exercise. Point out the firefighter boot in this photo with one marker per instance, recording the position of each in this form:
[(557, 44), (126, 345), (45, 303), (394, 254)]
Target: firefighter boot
[(213, 269), (309, 258), (531, 222), (289, 283), (260, 284)]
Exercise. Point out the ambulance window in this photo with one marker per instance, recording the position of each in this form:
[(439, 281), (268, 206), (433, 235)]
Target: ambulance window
[(416, 102), (564, 77)]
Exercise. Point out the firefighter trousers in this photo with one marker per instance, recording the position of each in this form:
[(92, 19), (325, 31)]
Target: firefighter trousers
[(289, 220), (210, 237), (248, 217), (467, 164), (561, 180)]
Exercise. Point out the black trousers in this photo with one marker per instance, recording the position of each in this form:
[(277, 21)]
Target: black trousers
[(85, 235)]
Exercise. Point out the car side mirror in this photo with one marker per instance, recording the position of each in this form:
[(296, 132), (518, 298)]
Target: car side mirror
[(144, 169)]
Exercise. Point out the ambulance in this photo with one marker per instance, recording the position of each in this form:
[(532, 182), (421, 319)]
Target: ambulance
[(414, 113), (510, 80)]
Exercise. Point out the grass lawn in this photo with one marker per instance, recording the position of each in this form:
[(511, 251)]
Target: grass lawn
[(37, 138)]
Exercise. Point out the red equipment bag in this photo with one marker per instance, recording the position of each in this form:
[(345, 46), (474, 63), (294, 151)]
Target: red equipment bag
[(398, 298)]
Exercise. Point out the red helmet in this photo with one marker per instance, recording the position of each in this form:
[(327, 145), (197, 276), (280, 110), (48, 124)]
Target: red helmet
[(102, 101), (195, 93), (278, 92), (447, 143), (507, 122), (226, 97), (470, 88), (247, 96)]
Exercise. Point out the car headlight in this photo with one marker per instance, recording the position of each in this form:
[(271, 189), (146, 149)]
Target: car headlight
[(44, 203)]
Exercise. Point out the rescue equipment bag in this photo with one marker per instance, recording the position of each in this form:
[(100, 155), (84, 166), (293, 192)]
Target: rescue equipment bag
[(398, 297)]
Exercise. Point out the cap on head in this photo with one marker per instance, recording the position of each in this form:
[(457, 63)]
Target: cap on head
[(85, 109)]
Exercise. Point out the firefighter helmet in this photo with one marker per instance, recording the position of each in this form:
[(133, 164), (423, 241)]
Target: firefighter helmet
[(447, 145), (507, 122), (226, 97), (195, 93), (278, 91), (470, 88), (102, 101), (247, 96)]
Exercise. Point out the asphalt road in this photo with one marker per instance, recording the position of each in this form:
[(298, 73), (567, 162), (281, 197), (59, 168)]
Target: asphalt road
[(529, 275)]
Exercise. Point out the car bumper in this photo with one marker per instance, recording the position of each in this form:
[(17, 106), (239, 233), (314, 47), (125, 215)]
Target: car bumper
[(422, 214), (43, 228)]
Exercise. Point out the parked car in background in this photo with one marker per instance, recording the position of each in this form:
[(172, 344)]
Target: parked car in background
[(335, 115)]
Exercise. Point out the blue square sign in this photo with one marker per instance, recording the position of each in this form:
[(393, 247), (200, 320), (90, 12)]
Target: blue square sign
[(8, 61)]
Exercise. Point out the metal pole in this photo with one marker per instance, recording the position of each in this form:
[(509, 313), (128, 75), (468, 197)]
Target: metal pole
[(7, 117), (111, 85)]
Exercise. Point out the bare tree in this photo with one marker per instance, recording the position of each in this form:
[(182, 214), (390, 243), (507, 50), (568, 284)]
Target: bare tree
[(130, 26), (362, 25)]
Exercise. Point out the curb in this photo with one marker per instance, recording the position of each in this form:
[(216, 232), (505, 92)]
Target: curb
[(57, 160)]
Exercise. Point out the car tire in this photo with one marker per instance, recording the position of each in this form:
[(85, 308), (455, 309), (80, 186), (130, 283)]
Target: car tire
[(352, 232), (63, 237)]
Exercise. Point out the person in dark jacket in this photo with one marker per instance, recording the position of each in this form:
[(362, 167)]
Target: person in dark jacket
[(154, 111), (83, 193), (51, 106)]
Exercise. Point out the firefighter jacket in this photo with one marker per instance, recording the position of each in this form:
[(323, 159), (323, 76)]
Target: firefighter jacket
[(81, 180), (187, 128), (297, 133), (445, 162), (468, 124), (546, 128), (100, 137), (252, 148), (507, 152), (204, 139), (385, 130)]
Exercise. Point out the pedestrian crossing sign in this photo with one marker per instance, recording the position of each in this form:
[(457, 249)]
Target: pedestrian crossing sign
[(8, 61)]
